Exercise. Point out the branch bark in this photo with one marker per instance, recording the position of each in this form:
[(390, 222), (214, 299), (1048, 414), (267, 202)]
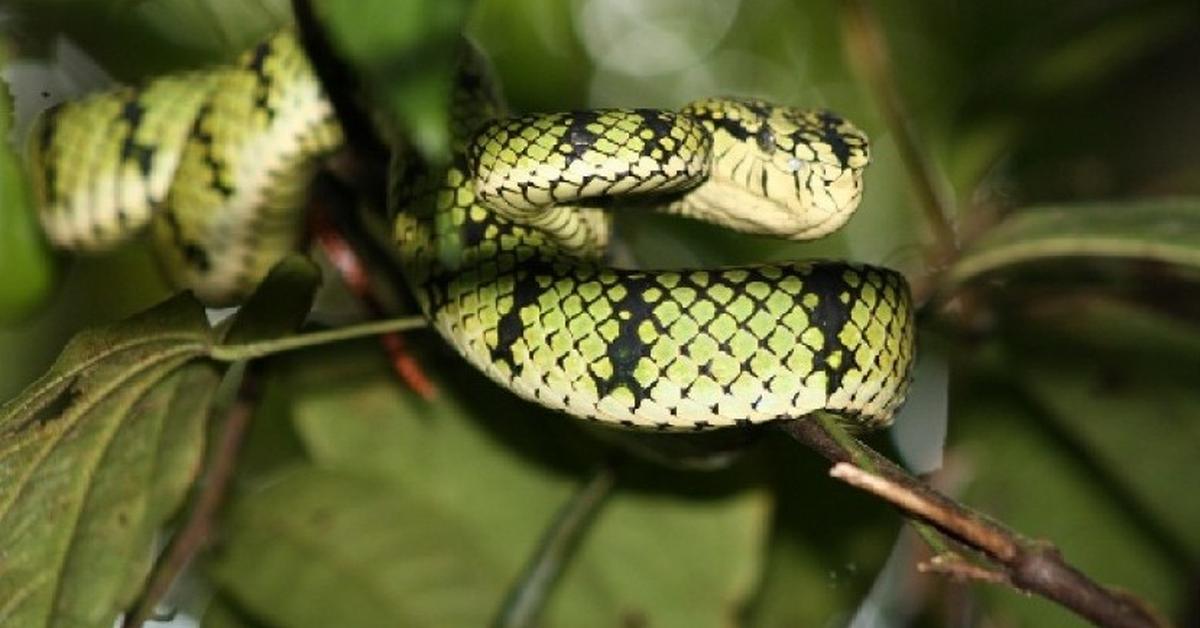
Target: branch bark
[(867, 50), (197, 530), (1027, 565)]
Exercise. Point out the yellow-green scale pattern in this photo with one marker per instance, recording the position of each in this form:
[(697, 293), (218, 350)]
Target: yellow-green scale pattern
[(217, 163), (668, 350), (504, 247)]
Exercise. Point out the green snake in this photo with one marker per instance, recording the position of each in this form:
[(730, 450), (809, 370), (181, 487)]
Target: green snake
[(504, 247)]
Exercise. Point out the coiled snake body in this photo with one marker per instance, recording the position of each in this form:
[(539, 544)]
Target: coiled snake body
[(503, 248)]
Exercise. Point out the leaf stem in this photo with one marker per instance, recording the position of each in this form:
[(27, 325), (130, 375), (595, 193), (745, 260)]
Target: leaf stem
[(263, 348), (528, 596), (867, 49)]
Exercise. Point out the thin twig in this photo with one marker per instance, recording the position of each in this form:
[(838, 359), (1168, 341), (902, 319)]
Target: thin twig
[(366, 155), (1029, 565), (859, 456), (956, 568), (263, 348), (196, 531), (959, 523), (868, 52), (528, 596), (324, 205)]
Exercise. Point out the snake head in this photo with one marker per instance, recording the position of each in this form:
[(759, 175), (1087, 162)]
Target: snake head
[(782, 171)]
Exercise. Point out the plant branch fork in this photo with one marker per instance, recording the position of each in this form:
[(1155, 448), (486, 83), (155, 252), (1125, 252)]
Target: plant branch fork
[(1030, 566)]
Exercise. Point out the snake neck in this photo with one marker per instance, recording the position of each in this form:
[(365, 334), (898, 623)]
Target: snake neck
[(444, 234), (443, 229)]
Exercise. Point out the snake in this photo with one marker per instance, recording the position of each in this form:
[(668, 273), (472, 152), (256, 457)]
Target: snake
[(505, 245)]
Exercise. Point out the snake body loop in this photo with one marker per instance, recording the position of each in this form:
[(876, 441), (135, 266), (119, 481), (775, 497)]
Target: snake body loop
[(215, 163), (504, 246)]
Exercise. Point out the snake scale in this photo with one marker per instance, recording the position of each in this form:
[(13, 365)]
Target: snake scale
[(504, 247)]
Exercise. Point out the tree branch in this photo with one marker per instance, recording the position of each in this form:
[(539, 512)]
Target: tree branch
[(868, 53), (1028, 565), (364, 161), (195, 533), (957, 568)]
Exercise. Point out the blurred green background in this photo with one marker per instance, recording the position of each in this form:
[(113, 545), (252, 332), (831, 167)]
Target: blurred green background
[(1060, 355)]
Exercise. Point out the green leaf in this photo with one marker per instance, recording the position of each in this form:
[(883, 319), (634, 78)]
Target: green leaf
[(499, 469), (321, 548), (1141, 432), (170, 34), (1165, 231), (101, 450), (1106, 49), (640, 560), (1024, 475), (1090, 323), (25, 260), (827, 544), (406, 53), (1133, 414), (221, 612), (95, 455), (280, 304), (1092, 408)]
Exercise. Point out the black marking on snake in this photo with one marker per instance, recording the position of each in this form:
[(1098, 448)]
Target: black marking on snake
[(734, 128), (627, 348), (524, 187), (262, 91), (142, 154), (578, 136), (193, 254), (830, 315), (658, 121), (196, 256), (760, 108), (207, 143), (472, 232), (510, 327), (49, 170), (831, 136)]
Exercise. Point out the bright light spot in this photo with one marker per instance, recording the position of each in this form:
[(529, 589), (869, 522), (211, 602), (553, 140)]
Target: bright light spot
[(647, 37)]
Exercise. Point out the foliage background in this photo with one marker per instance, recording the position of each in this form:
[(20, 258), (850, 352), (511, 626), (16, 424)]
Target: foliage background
[(1072, 413)]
